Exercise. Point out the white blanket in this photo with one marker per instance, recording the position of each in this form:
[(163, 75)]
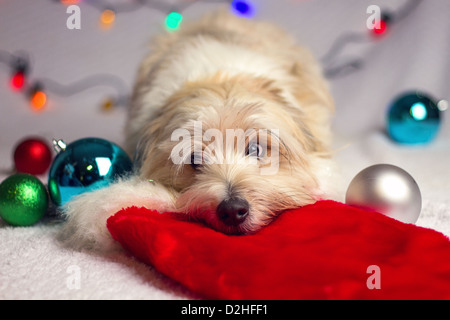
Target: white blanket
[(414, 55)]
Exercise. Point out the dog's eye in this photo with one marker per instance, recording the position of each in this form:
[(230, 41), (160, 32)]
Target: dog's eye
[(255, 150), (196, 161)]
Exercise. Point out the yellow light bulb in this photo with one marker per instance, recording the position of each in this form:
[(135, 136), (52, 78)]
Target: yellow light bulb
[(107, 19), (108, 105)]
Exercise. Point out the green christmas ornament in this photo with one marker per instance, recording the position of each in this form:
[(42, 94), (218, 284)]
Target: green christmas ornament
[(23, 200)]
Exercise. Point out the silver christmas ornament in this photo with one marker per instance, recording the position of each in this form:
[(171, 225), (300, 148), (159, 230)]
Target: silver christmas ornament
[(386, 189)]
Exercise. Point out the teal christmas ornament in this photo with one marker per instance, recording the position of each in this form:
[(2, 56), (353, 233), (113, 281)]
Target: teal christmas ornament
[(85, 165), (413, 118)]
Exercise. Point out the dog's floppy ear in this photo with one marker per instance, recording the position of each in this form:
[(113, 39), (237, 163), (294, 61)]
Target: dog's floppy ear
[(139, 152), (264, 87), (299, 113), (269, 87), (312, 94), (311, 84)]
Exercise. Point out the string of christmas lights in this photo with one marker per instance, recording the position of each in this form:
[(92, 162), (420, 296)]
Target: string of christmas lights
[(172, 11), (388, 19), (37, 91)]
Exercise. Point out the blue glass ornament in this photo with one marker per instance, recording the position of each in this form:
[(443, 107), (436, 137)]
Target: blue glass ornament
[(85, 165), (413, 118)]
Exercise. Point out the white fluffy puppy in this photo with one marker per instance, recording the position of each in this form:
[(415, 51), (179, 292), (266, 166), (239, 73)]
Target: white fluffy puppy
[(214, 105)]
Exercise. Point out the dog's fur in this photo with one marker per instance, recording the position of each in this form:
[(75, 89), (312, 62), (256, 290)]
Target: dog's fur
[(228, 73)]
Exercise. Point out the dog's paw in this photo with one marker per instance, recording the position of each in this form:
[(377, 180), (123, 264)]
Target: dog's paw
[(86, 215)]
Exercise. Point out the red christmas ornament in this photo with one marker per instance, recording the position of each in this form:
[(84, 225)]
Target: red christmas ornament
[(32, 156)]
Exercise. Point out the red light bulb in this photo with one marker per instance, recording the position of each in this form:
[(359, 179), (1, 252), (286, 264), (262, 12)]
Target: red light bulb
[(20, 71), (18, 81), (381, 28)]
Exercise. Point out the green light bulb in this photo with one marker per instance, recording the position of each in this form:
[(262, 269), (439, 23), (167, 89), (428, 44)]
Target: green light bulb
[(173, 21)]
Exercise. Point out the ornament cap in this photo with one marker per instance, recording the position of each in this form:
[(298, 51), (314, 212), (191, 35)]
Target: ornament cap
[(442, 105), (59, 145)]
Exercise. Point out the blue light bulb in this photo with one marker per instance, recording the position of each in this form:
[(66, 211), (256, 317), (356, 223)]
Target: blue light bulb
[(242, 8)]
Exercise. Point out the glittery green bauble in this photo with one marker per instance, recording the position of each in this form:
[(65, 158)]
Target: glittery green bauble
[(23, 200)]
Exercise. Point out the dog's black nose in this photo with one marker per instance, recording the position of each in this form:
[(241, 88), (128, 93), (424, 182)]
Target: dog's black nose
[(233, 211)]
